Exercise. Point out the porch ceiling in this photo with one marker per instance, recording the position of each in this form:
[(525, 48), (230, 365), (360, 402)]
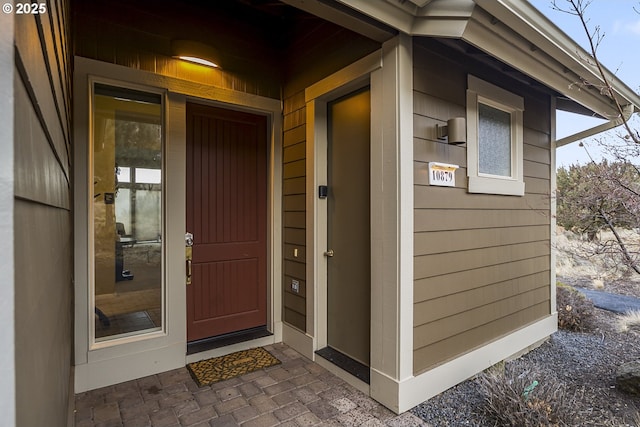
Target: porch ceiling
[(264, 39), (234, 27)]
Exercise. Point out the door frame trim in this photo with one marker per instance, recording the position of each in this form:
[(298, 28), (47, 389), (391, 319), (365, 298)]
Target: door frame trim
[(95, 368)]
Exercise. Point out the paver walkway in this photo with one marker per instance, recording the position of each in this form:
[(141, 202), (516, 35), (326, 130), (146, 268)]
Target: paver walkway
[(298, 392), (616, 303)]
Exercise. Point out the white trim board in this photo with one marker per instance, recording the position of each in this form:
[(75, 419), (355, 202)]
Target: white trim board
[(418, 389)]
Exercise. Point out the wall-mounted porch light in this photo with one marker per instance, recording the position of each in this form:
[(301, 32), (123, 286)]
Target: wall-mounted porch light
[(196, 52), (455, 130)]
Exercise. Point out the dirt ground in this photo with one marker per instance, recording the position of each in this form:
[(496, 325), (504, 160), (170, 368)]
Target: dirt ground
[(578, 263)]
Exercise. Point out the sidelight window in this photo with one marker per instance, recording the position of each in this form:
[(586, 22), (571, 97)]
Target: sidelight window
[(126, 219)]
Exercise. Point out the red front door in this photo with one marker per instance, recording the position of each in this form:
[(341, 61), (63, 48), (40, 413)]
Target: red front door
[(227, 214)]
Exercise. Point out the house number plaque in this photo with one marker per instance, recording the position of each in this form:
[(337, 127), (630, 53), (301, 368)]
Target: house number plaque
[(442, 174)]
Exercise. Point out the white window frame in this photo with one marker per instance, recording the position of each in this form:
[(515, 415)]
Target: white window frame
[(481, 92)]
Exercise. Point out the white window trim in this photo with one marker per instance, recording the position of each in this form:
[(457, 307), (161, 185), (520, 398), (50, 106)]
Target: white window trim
[(479, 91)]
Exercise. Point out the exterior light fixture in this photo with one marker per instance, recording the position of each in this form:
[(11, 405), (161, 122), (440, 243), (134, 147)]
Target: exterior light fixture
[(455, 131), (196, 52)]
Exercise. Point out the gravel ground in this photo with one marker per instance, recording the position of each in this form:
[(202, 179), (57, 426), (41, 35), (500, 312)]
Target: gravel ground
[(584, 362)]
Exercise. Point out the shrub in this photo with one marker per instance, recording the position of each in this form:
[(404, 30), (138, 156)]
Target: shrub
[(517, 396), (575, 311), (629, 321)]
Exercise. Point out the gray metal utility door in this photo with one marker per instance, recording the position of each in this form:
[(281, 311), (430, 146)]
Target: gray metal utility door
[(349, 229)]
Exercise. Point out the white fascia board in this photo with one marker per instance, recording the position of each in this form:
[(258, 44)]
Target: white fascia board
[(449, 9), (531, 24), (387, 13), (420, 3)]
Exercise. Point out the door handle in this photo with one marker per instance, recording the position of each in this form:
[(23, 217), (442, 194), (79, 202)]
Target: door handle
[(329, 253), (188, 241), (188, 271), (189, 257)]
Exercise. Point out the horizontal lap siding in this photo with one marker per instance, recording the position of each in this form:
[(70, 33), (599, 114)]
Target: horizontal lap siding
[(294, 210), (42, 215), (481, 262)]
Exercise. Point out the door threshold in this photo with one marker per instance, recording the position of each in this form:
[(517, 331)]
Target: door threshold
[(225, 340), (344, 362)]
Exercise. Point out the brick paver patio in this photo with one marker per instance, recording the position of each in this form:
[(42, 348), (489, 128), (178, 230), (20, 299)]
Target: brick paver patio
[(296, 393)]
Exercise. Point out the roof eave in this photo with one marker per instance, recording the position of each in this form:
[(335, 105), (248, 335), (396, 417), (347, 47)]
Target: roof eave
[(532, 25), (514, 32)]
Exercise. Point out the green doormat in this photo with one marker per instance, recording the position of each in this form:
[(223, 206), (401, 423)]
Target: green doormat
[(222, 368)]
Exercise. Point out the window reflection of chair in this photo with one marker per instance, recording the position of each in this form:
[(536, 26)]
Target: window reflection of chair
[(125, 239)]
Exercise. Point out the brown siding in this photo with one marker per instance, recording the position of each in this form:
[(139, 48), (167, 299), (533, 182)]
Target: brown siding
[(43, 232), (481, 263)]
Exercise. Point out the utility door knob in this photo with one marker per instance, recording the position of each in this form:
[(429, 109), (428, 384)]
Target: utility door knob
[(329, 253)]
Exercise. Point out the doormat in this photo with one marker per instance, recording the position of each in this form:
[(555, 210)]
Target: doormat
[(210, 371)]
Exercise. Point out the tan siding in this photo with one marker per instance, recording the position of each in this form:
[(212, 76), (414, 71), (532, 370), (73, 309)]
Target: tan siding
[(432, 310), (294, 152), (35, 71), (443, 219), (445, 350), (295, 135), (295, 169), (536, 170), (49, 185), (463, 240), (293, 186), (435, 287), (295, 219), (294, 206), (43, 232), (481, 262), (539, 186), (440, 329), (294, 203), (537, 154), (295, 118), (439, 264), (295, 236), (434, 151), (456, 198), (295, 302), (295, 319)]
